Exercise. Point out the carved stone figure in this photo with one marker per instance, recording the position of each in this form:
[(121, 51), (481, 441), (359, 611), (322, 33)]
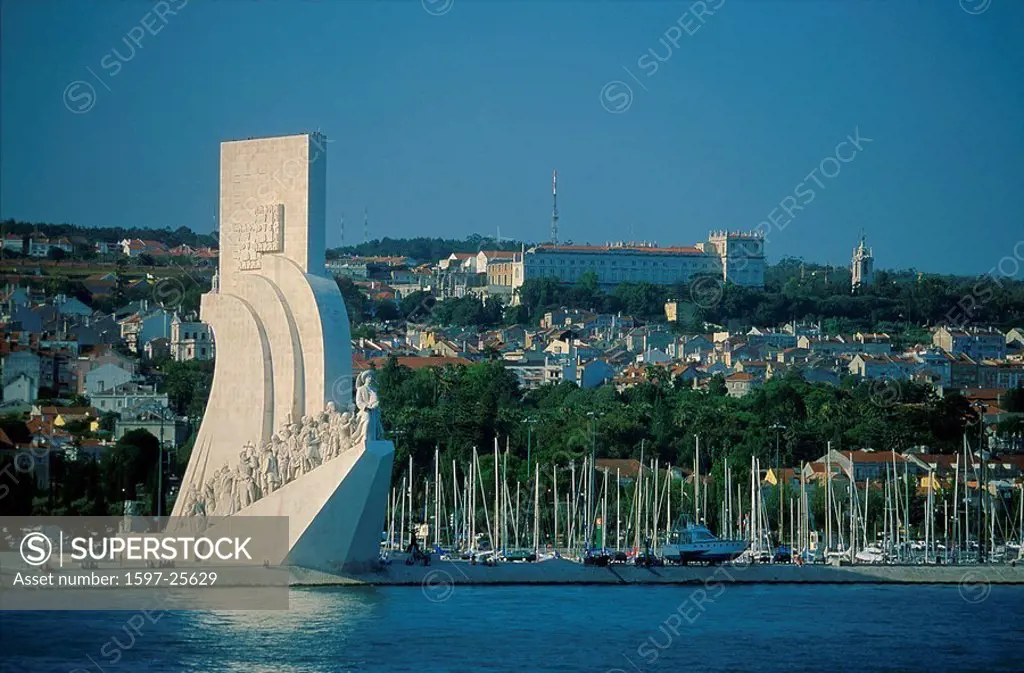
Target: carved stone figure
[(189, 499), (271, 478), (246, 479), (326, 436), (294, 448), (344, 430), (238, 491), (366, 393), (284, 459), (368, 403), (194, 503), (226, 492), (210, 495), (311, 442)]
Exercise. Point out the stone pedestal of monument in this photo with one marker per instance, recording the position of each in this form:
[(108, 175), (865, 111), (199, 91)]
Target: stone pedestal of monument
[(335, 511)]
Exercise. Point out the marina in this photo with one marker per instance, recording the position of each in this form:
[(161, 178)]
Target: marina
[(583, 523)]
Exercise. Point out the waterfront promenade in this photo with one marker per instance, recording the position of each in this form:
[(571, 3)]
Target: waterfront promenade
[(560, 571)]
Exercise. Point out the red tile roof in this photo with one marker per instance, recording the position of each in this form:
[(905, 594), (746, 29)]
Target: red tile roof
[(412, 362)]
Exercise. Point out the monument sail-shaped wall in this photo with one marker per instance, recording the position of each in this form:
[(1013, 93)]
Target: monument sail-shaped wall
[(279, 436)]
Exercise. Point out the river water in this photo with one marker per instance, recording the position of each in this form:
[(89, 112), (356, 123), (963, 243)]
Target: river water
[(622, 629)]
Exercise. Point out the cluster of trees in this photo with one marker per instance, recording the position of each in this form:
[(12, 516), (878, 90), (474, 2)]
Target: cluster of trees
[(423, 249), (83, 486), (458, 407), (418, 307), (187, 384), (170, 237), (641, 300), (795, 291)]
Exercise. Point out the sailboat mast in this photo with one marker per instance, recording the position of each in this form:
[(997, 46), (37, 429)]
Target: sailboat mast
[(455, 506), (495, 541), (391, 520), (554, 480), (401, 529), (657, 509), (637, 496), (965, 500), (570, 506), (696, 479), (604, 512), (828, 497), (437, 498), (412, 507), (536, 509), (474, 470), (668, 506), (618, 509), (516, 519)]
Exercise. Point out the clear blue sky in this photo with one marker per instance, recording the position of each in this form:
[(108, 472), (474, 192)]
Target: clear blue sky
[(451, 124)]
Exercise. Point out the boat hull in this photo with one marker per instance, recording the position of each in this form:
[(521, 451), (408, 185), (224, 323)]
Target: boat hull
[(719, 551)]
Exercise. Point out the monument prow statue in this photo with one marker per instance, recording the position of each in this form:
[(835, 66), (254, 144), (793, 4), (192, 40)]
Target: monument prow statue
[(280, 436)]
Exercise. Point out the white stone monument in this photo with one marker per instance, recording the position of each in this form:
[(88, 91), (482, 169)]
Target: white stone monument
[(280, 436)]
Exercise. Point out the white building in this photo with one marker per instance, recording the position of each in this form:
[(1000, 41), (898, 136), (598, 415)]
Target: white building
[(127, 397), (732, 256), (106, 377), (21, 376), (190, 340), (140, 328), (40, 246), (22, 388)]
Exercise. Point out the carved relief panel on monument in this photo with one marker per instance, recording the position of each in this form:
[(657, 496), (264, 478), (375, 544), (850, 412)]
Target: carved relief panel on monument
[(264, 234)]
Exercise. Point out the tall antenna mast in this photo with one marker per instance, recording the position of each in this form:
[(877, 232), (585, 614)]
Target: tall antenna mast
[(554, 206), (343, 229), (366, 225)]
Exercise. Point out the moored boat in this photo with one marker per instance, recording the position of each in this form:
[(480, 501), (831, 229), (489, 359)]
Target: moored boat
[(694, 543)]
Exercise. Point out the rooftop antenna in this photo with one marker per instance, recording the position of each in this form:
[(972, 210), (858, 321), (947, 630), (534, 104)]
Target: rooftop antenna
[(554, 206)]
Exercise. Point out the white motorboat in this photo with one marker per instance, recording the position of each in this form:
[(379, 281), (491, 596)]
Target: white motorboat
[(694, 543)]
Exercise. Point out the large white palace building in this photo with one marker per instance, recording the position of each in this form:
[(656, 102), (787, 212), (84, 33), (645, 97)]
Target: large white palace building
[(735, 257)]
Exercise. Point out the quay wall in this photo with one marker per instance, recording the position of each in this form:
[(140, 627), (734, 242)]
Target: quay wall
[(446, 573)]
